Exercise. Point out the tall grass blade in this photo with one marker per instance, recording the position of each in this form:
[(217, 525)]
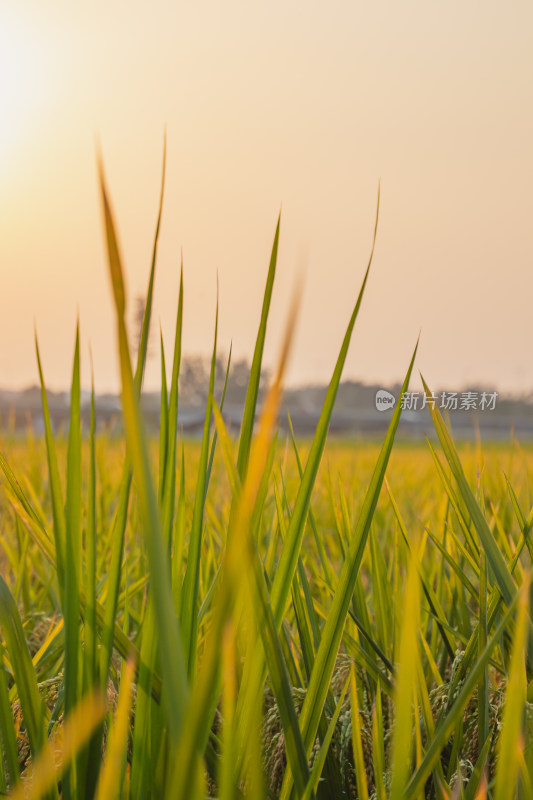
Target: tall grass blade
[(281, 586), (214, 441), (289, 556), (8, 737), (296, 756), (320, 760), (333, 629), (405, 723), (145, 329), (511, 742), (483, 688), (172, 658), (73, 557), (431, 597), (163, 422), (190, 592), (252, 392), (90, 548), (495, 559), (357, 745), (448, 723), (228, 778), (378, 746), (58, 510), (23, 671), (169, 474), (120, 519)]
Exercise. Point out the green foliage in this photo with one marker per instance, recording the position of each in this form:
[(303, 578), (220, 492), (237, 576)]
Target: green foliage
[(263, 621)]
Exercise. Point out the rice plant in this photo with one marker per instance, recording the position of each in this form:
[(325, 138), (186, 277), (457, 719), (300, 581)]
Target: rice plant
[(242, 616)]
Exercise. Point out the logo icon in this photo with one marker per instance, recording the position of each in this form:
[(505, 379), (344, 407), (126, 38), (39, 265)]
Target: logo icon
[(385, 401)]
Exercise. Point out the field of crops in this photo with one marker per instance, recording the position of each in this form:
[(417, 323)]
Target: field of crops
[(245, 616)]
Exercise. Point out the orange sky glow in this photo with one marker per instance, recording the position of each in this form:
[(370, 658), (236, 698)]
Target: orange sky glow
[(303, 106)]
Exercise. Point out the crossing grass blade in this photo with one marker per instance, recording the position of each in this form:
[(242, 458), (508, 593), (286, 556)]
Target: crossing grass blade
[(68, 742), (431, 597), (526, 525), (511, 741), (35, 525), (495, 559), (23, 671), (471, 546), (493, 610), (225, 444), (447, 724), (8, 739)]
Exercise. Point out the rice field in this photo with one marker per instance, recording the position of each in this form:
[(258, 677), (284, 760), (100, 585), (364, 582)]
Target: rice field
[(260, 617)]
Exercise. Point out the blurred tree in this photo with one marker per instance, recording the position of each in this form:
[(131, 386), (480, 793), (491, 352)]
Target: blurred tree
[(139, 304)]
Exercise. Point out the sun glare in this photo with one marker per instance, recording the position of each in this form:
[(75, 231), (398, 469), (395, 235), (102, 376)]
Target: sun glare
[(22, 82)]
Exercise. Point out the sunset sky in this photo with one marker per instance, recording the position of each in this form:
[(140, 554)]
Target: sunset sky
[(303, 106)]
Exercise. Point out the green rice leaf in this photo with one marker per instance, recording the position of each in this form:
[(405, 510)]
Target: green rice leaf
[(118, 527), (503, 577), (333, 629), (23, 671), (248, 417), (7, 729), (190, 592), (173, 665), (289, 557), (511, 741), (320, 759), (448, 723), (58, 510)]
